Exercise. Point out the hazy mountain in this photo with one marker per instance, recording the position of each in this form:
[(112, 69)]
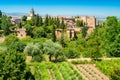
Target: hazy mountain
[(15, 14)]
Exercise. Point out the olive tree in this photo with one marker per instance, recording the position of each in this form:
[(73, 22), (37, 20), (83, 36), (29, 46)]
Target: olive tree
[(34, 50), (52, 49)]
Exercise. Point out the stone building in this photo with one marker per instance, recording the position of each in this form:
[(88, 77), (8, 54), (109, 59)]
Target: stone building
[(58, 33), (2, 39), (90, 22), (70, 22), (21, 33), (16, 20), (71, 33)]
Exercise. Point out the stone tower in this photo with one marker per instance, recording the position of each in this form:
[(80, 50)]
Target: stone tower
[(32, 13)]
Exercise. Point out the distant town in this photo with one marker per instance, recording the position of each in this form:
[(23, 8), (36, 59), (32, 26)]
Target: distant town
[(70, 22)]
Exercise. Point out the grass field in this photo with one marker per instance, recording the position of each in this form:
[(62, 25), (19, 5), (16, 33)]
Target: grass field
[(52, 71), (66, 71)]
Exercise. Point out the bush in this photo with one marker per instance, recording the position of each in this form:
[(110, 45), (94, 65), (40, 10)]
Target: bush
[(81, 62), (38, 58), (10, 39), (27, 39), (72, 54), (12, 65), (61, 58), (116, 74), (18, 46)]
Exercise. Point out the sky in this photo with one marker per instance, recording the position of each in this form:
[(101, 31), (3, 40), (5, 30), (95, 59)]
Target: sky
[(63, 7)]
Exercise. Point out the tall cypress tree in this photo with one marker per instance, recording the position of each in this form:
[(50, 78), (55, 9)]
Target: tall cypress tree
[(37, 20), (53, 34), (57, 22), (40, 21), (62, 24), (0, 13), (46, 20), (84, 31), (62, 40)]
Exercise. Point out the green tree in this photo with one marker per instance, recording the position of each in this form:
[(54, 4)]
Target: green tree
[(40, 21), (115, 47), (62, 24), (50, 21), (34, 50), (58, 22), (12, 65), (116, 74), (46, 22), (29, 29), (96, 44), (79, 23), (63, 39), (0, 13), (53, 34), (112, 36), (24, 18), (37, 19), (72, 54), (10, 39), (52, 49), (18, 46), (5, 24), (20, 25), (39, 32), (84, 31), (111, 21)]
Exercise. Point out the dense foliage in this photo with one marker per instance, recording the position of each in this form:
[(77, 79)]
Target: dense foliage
[(12, 65), (110, 68)]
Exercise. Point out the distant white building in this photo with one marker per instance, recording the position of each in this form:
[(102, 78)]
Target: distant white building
[(31, 15)]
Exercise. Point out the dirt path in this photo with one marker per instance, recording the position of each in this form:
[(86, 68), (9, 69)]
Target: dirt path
[(90, 72), (89, 59)]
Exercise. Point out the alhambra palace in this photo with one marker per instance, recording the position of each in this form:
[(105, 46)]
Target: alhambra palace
[(69, 21)]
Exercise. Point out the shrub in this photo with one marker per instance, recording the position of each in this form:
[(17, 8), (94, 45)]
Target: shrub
[(116, 74), (72, 54), (38, 58), (10, 39), (18, 46), (12, 65)]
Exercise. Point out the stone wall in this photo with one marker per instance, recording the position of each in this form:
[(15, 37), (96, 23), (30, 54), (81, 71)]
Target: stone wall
[(21, 33), (2, 39)]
